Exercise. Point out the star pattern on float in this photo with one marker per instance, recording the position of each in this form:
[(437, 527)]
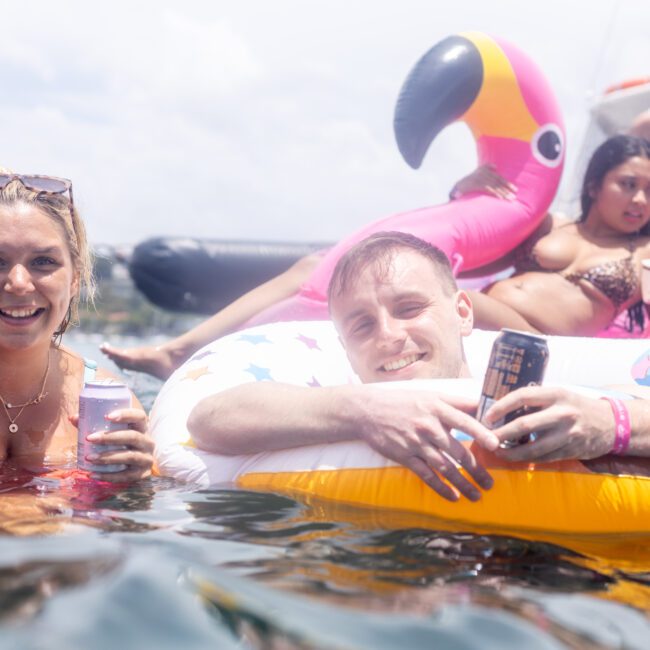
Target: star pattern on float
[(312, 344), (260, 374), (202, 355), (254, 339), (197, 373), (641, 369)]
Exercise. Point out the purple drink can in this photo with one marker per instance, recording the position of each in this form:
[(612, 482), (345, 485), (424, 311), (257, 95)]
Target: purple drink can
[(96, 400)]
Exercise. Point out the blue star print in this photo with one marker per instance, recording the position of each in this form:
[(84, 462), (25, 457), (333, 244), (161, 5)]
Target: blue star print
[(260, 374), (254, 339)]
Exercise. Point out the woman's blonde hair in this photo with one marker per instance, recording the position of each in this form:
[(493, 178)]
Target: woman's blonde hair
[(60, 209)]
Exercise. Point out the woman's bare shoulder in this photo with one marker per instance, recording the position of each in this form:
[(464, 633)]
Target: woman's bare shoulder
[(71, 362), (103, 373), (76, 364)]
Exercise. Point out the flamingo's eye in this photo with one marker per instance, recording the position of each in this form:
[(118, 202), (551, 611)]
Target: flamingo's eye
[(548, 145)]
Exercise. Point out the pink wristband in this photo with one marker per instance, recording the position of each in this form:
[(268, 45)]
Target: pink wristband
[(622, 426)]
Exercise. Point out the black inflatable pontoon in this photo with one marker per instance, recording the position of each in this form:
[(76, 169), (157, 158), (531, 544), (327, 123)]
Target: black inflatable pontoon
[(202, 276)]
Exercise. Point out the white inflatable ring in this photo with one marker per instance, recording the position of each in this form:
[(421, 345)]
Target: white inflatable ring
[(556, 497)]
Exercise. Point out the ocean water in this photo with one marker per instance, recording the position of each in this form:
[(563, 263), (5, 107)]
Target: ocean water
[(165, 565)]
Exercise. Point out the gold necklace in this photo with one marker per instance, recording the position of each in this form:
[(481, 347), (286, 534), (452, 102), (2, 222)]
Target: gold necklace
[(13, 427)]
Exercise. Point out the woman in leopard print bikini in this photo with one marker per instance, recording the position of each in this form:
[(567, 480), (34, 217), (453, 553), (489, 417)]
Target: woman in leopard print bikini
[(575, 277)]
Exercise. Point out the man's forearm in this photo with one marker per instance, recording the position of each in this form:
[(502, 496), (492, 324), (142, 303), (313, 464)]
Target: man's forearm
[(409, 427), (266, 416)]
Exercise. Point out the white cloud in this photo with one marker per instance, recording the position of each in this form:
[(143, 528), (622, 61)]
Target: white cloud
[(264, 120)]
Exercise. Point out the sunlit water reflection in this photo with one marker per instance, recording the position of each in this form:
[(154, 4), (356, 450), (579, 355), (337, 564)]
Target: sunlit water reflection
[(167, 566)]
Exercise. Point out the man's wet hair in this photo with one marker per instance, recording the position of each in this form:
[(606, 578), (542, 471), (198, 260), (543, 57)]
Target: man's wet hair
[(379, 250)]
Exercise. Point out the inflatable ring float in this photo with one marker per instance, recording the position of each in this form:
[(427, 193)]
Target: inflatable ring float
[(562, 497)]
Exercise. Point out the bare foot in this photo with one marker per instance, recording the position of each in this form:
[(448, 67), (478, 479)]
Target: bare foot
[(156, 361)]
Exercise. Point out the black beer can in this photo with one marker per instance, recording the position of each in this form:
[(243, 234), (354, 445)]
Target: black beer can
[(518, 359)]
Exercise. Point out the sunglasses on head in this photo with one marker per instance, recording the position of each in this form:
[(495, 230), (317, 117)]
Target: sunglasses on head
[(40, 184)]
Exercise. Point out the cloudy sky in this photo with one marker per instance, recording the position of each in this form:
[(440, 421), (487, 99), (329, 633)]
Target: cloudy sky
[(267, 120)]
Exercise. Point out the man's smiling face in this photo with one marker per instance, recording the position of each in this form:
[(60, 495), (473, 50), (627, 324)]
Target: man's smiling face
[(400, 321)]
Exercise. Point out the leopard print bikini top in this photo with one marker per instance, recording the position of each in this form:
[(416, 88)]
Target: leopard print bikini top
[(616, 279)]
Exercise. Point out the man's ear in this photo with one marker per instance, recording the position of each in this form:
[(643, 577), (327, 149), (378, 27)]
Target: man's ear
[(465, 312)]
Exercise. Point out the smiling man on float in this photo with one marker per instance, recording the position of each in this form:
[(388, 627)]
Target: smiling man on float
[(398, 311), (400, 316)]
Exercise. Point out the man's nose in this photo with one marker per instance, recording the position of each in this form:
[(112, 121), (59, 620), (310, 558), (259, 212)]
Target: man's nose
[(19, 280), (390, 330)]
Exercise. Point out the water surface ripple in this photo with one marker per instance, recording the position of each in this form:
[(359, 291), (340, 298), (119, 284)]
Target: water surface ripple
[(166, 565)]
